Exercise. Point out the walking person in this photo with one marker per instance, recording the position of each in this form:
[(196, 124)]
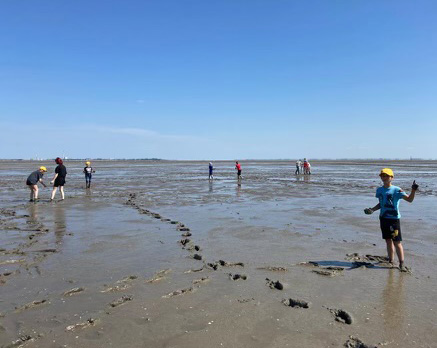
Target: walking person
[(211, 168), (389, 197), (59, 179), (88, 170), (32, 182), (238, 168), (298, 164)]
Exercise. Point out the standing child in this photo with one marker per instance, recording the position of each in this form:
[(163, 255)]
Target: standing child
[(211, 168), (59, 178), (298, 164), (88, 170), (389, 216), (32, 182), (238, 168)]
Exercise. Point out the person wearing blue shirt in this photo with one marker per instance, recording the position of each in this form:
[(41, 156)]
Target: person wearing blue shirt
[(389, 197)]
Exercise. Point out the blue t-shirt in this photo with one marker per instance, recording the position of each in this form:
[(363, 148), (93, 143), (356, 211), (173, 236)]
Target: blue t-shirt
[(389, 201)]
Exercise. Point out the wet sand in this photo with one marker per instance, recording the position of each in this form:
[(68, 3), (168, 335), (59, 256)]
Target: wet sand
[(155, 255)]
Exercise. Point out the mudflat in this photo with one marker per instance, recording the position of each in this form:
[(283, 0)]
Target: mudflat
[(156, 255)]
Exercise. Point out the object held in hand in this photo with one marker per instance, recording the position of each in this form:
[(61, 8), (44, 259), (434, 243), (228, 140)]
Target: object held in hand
[(368, 211), (414, 186)]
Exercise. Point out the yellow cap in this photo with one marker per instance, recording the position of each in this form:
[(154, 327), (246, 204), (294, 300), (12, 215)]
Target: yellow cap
[(387, 171), (87, 163), (44, 169)]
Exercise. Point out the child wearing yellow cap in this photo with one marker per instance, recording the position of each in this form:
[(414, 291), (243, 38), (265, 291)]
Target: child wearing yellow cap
[(389, 197), (32, 182)]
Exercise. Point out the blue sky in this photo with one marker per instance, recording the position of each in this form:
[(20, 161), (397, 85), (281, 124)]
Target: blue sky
[(222, 79)]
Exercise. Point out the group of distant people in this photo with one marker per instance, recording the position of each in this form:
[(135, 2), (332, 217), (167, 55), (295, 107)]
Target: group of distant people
[(303, 167), (58, 180), (237, 167)]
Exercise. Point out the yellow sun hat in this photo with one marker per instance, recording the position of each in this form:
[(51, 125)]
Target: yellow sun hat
[(44, 169), (387, 171), (87, 163)]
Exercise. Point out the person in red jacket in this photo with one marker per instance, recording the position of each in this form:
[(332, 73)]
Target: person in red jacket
[(238, 168)]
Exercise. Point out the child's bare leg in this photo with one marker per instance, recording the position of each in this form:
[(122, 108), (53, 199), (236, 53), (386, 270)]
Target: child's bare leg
[(31, 191), (53, 193), (35, 191), (399, 252), (61, 189), (390, 249)]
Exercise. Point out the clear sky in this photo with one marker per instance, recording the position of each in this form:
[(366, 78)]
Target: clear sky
[(218, 79)]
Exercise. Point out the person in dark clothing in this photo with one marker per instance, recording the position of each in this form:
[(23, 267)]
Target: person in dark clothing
[(88, 170), (211, 168), (32, 182), (59, 178)]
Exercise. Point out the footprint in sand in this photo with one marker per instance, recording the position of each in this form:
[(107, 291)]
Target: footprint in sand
[(237, 276), (88, 323), (32, 304), (201, 280), (159, 275), (73, 291), (295, 303), (274, 284), (354, 342), (341, 316), (179, 292), (121, 301), (273, 269)]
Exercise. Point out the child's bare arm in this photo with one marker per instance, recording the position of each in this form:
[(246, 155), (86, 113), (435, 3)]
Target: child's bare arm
[(410, 198), (369, 211)]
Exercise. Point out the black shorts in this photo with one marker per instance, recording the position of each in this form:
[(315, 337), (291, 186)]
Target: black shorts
[(29, 183), (239, 172), (391, 229), (59, 182)]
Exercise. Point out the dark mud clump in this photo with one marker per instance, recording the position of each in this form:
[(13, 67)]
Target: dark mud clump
[(121, 300), (197, 257), (342, 316), (274, 284), (237, 276), (296, 303), (186, 234), (354, 342)]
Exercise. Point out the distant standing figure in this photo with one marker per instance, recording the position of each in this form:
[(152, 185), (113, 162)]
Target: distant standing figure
[(298, 164), (238, 168), (88, 170), (305, 166), (308, 168), (32, 182), (211, 168), (59, 178)]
